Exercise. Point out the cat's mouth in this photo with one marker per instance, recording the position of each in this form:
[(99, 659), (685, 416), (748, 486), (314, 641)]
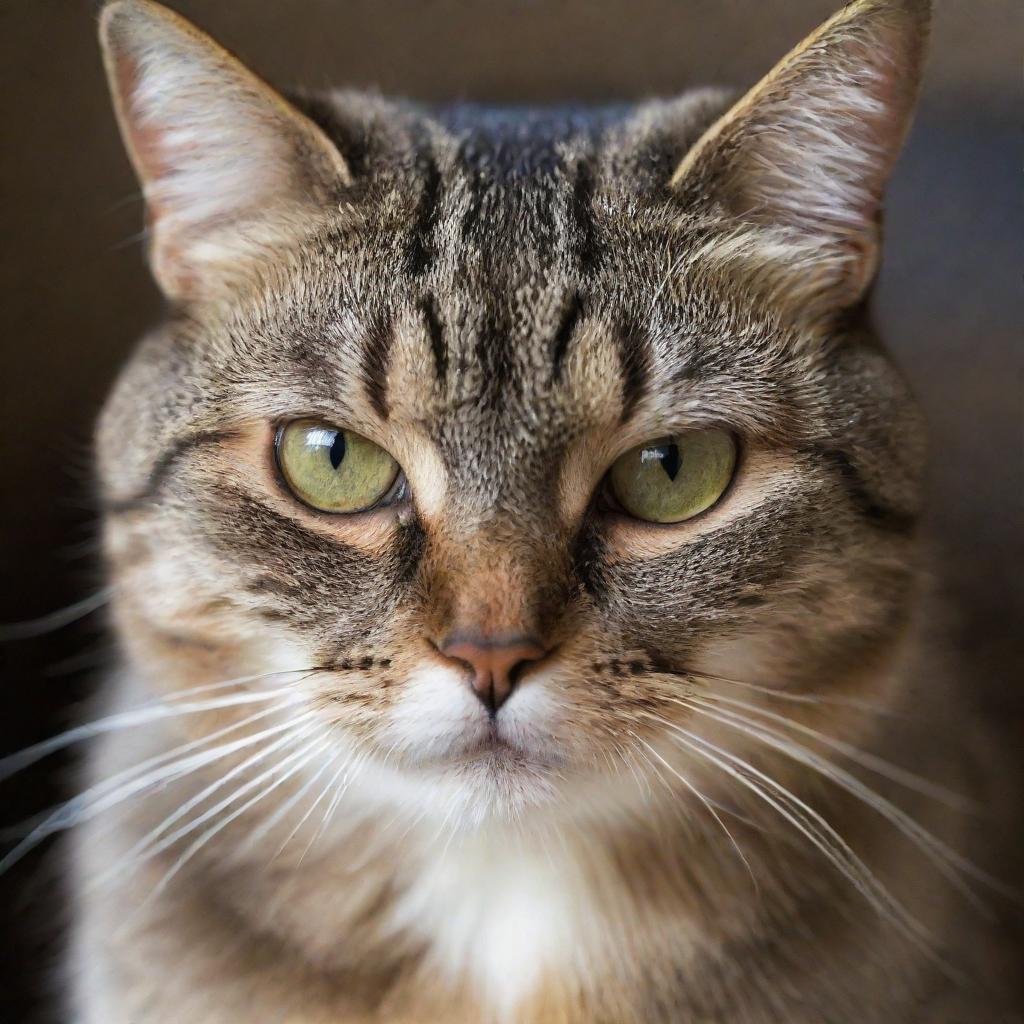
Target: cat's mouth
[(488, 745), (494, 745), (491, 749)]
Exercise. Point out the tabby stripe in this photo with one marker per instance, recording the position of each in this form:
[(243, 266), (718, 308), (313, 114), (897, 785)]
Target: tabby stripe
[(471, 218), (589, 561), (872, 508), (284, 547), (634, 364), (410, 546), (564, 335), (494, 353), (421, 253), (377, 345), (583, 217), (435, 331), (162, 469)]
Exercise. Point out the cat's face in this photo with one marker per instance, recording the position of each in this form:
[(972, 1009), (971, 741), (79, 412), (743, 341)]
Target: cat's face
[(508, 314)]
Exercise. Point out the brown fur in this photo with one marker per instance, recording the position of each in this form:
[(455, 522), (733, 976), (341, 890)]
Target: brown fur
[(508, 302)]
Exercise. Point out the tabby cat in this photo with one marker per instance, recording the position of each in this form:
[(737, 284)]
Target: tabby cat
[(511, 538)]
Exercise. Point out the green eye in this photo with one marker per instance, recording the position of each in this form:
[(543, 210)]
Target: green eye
[(674, 478), (334, 470)]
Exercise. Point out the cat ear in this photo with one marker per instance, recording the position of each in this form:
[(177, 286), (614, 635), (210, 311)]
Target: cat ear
[(228, 167), (804, 157)]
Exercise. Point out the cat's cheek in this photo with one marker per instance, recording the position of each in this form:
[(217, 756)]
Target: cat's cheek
[(763, 658)]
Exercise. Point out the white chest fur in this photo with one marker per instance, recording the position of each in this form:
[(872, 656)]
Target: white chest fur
[(498, 913)]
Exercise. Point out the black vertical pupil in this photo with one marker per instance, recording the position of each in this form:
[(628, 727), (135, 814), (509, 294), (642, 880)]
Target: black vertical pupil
[(337, 451), (671, 462)]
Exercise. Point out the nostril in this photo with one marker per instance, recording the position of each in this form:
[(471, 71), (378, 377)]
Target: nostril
[(495, 663), (516, 669), (455, 653)]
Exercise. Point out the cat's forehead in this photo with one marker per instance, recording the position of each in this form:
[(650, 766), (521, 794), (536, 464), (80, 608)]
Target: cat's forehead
[(473, 269), (499, 221), (503, 208)]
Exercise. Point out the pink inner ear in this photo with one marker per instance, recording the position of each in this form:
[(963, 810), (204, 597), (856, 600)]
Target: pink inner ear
[(144, 139), (149, 152)]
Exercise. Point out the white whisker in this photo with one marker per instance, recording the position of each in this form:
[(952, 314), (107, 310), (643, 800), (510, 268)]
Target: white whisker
[(714, 814), (328, 815), (302, 756), (148, 846), (837, 700), (328, 788), (941, 855), (136, 770), (267, 825), (55, 620), (99, 798), (873, 763), (169, 707), (817, 830)]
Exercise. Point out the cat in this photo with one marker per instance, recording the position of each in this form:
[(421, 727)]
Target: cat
[(511, 532)]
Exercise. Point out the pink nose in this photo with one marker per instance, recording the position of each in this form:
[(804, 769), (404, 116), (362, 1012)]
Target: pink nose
[(496, 663)]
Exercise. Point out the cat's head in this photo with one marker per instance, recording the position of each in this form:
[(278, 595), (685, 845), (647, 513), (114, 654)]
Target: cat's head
[(525, 431)]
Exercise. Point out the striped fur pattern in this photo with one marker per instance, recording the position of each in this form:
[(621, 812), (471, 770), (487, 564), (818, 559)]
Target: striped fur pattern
[(507, 301)]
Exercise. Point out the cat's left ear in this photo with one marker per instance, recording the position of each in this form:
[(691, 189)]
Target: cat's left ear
[(230, 170), (799, 165)]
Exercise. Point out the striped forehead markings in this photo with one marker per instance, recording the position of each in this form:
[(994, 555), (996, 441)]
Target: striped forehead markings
[(571, 313), (582, 211), (378, 343), (634, 365), (495, 353), (435, 333), (422, 250), (377, 351)]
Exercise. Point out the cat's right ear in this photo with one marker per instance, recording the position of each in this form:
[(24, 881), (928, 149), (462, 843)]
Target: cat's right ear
[(230, 170), (800, 163)]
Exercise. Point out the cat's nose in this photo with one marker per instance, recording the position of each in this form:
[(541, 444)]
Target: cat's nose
[(495, 662)]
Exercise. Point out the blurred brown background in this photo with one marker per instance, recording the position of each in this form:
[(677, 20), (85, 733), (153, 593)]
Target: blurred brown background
[(76, 293)]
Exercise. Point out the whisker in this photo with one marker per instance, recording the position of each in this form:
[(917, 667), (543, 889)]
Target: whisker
[(817, 830), (944, 857), (100, 655), (878, 765), (97, 799), (268, 824), (642, 781), (327, 788), (55, 620), (121, 777), (148, 844), (143, 715), (303, 757), (714, 814), (837, 700), (336, 799), (339, 794)]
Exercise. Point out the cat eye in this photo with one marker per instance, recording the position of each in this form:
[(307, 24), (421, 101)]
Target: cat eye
[(335, 470), (674, 478)]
